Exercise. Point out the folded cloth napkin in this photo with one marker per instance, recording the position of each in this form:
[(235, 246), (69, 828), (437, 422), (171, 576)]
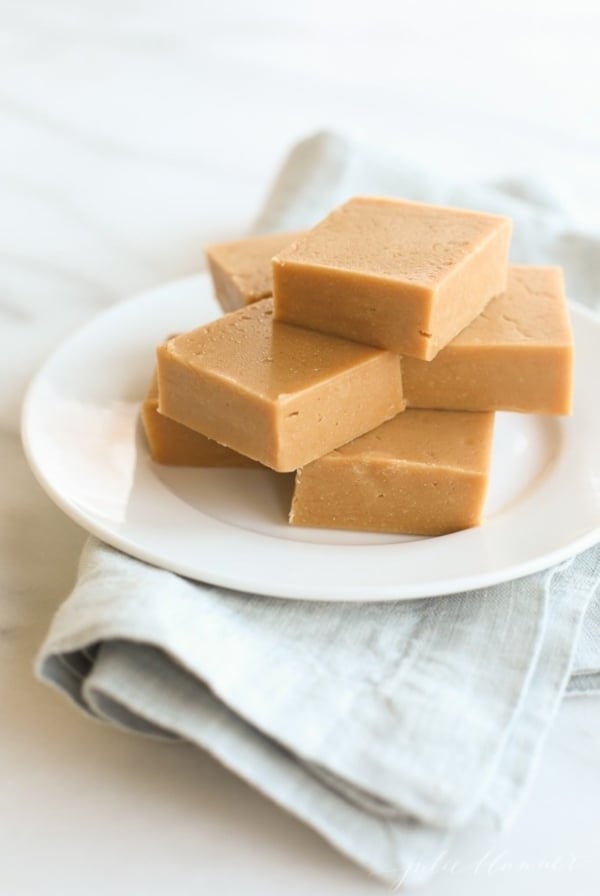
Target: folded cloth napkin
[(385, 726)]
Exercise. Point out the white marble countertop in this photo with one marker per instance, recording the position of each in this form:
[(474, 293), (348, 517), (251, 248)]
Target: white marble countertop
[(131, 133)]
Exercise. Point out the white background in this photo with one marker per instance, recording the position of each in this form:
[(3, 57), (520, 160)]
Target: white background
[(132, 132)]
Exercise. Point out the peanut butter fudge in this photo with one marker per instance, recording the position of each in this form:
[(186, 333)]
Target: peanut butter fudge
[(279, 394), (422, 473), (516, 356), (399, 275), (241, 269), (171, 443)]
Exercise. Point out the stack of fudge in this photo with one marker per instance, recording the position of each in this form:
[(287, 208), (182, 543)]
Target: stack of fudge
[(368, 355)]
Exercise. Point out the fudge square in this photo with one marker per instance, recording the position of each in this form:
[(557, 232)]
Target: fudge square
[(279, 394), (400, 275), (422, 473), (241, 269), (516, 356), (171, 443)]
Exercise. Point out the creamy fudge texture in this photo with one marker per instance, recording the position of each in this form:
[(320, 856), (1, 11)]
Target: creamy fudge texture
[(422, 473), (400, 275), (241, 269), (171, 443), (280, 394), (516, 356)]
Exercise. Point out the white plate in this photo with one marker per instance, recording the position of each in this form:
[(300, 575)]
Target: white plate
[(228, 527)]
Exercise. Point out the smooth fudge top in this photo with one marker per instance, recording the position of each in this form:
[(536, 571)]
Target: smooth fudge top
[(265, 357), (457, 440), (411, 242), (531, 312)]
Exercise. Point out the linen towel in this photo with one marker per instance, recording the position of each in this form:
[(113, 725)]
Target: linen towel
[(384, 726)]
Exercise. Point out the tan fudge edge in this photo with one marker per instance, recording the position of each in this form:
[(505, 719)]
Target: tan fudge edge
[(338, 279), (172, 444), (283, 431), (423, 473), (241, 269), (516, 356)]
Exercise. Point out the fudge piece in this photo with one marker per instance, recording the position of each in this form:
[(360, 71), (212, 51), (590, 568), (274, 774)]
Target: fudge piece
[(516, 356), (171, 443), (282, 395), (400, 275), (422, 473), (241, 269)]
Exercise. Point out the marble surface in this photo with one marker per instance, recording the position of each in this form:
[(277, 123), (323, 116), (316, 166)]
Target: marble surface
[(131, 133)]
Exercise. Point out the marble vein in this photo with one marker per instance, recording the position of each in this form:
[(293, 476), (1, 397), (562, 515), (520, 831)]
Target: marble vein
[(60, 201), (97, 295), (24, 110)]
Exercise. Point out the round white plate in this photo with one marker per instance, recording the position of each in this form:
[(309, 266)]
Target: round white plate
[(82, 437)]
